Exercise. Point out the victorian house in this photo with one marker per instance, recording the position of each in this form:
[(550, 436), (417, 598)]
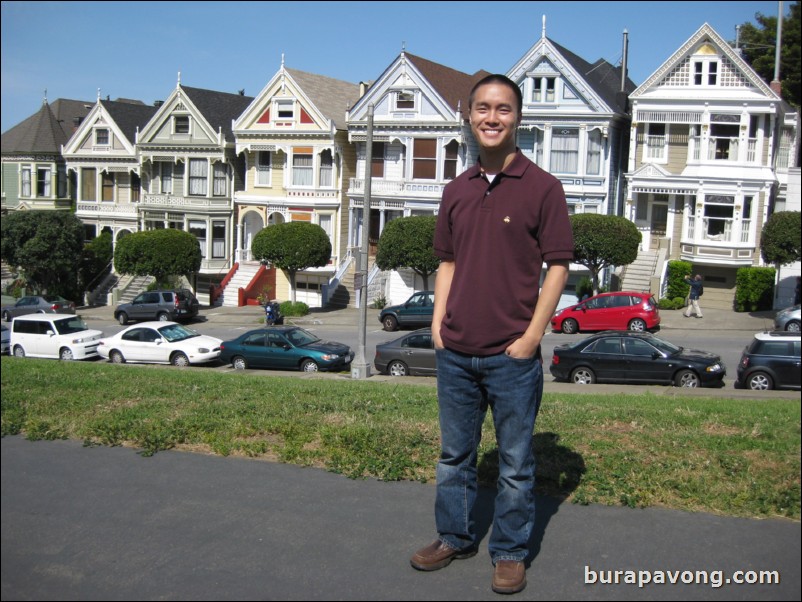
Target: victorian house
[(421, 141), (34, 174), (575, 125), (293, 142), (707, 134), (189, 171), (101, 157)]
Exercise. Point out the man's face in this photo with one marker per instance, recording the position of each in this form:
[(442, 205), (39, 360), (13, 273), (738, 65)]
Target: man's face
[(494, 117)]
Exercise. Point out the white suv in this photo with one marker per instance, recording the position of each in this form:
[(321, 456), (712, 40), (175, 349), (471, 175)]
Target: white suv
[(53, 336)]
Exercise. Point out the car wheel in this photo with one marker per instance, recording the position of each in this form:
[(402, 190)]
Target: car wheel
[(390, 323), (792, 326), (179, 359), (637, 325), (6, 316), (396, 368), (116, 357), (759, 381), (309, 366), (583, 376), (239, 363), (66, 354), (122, 318), (19, 351), (163, 317), (570, 326), (686, 378)]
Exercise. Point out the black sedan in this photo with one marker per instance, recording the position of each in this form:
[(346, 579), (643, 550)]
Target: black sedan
[(285, 348), (635, 357), (410, 355)]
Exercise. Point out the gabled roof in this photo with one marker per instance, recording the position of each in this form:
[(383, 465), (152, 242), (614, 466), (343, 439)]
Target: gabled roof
[(332, 97), (47, 129), (129, 115), (219, 109), (705, 34), (452, 85), (603, 77)]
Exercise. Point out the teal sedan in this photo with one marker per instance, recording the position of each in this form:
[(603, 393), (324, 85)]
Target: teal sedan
[(285, 348)]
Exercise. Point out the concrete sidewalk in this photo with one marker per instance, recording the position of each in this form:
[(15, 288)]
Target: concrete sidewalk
[(104, 523)]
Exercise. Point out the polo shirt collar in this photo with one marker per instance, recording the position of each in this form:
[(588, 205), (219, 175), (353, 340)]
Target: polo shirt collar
[(515, 169)]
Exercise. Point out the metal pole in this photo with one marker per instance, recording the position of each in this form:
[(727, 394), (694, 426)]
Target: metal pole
[(360, 368)]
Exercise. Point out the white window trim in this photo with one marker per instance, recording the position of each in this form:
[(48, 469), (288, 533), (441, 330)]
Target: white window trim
[(646, 154), (268, 171), (175, 124)]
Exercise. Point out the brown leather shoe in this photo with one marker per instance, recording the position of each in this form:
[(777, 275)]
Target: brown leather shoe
[(438, 555), (509, 577)]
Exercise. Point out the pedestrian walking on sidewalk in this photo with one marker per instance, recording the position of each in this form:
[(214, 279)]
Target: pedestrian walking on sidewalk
[(499, 221), (697, 289)]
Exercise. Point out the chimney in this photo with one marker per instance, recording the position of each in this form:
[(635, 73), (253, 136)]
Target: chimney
[(76, 122), (158, 103), (363, 87)]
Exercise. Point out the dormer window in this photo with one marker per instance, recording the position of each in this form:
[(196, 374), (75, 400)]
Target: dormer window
[(543, 89), (102, 137), (181, 124), (404, 100), (705, 73), (285, 109)]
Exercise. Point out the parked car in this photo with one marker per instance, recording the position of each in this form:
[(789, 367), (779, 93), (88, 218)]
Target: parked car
[(38, 304), (5, 339), (787, 319), (635, 357), (415, 312), (159, 305), (771, 361), (410, 355), (159, 343), (285, 348), (624, 310), (53, 336)]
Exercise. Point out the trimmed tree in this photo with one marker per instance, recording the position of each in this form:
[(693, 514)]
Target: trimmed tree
[(781, 239), (602, 241), (293, 247), (158, 253), (407, 242), (46, 246)]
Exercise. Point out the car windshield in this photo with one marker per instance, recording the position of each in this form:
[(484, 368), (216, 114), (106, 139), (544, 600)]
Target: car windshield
[(665, 346), (70, 325), (177, 332), (300, 337)]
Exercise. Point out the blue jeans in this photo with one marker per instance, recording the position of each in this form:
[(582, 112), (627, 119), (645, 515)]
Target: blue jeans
[(466, 387)]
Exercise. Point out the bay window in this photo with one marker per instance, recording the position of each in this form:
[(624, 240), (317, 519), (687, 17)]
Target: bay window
[(564, 150), (450, 161), (107, 187), (302, 166), (424, 159), (198, 229), (594, 152), (326, 169), (218, 239), (43, 175), (198, 177), (219, 179), (25, 182), (88, 184), (263, 168)]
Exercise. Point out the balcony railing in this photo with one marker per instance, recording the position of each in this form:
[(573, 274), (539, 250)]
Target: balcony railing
[(169, 200), (429, 190)]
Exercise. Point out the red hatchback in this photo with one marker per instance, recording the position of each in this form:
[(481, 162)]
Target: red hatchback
[(624, 310)]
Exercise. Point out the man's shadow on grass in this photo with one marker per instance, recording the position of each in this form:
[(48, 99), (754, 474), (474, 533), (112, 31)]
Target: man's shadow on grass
[(559, 472)]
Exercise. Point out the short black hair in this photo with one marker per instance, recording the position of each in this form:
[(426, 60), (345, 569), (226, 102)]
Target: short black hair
[(498, 78)]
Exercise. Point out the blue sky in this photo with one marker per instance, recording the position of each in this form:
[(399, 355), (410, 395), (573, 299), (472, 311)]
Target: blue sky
[(136, 49)]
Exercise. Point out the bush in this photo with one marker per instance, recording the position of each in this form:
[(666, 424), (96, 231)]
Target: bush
[(754, 289), (676, 287), (584, 287), (675, 303), (379, 302), (297, 309)]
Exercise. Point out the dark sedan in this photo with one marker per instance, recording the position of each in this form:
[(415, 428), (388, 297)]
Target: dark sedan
[(38, 304), (285, 348), (635, 357), (409, 355)]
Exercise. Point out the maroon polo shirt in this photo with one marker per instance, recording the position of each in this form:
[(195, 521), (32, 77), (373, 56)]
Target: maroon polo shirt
[(498, 235)]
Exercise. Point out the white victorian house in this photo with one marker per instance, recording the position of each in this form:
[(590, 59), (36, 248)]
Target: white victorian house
[(420, 143), (706, 138)]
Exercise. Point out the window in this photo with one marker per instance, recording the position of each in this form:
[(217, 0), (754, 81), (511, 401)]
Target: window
[(404, 100), (263, 167), (136, 188), (450, 161), (302, 166), (718, 214), (198, 177), (594, 152), (218, 239), (424, 159), (326, 168), (705, 73), (88, 184), (102, 137), (25, 182), (166, 178), (219, 179), (723, 142), (543, 89), (377, 161), (656, 142), (198, 229), (286, 109), (43, 181), (107, 183), (181, 124), (325, 221), (564, 150)]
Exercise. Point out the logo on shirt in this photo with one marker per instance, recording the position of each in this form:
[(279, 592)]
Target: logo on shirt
[(507, 219)]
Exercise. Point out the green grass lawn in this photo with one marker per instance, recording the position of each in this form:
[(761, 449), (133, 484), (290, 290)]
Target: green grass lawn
[(727, 456)]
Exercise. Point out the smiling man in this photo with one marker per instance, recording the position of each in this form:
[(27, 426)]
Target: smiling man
[(499, 222)]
